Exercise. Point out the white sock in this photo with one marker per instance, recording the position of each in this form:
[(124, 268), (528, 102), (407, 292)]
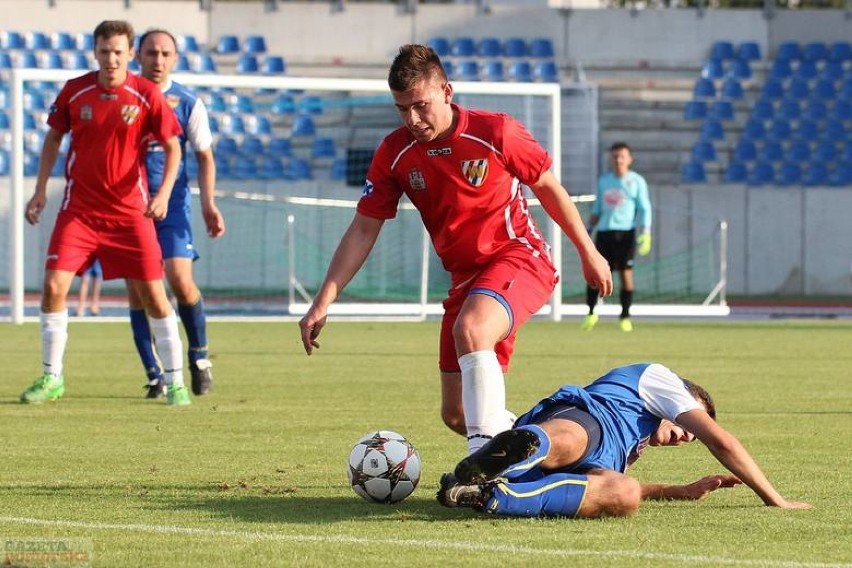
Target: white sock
[(169, 347), (483, 398), (54, 337)]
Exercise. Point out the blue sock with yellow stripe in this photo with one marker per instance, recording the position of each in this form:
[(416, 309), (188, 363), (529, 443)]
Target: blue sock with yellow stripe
[(554, 495), (521, 468)]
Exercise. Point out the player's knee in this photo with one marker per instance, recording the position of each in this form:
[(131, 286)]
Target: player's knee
[(625, 496), (454, 419)]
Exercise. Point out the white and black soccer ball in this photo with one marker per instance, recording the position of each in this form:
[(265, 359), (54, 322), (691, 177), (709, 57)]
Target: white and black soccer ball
[(383, 467)]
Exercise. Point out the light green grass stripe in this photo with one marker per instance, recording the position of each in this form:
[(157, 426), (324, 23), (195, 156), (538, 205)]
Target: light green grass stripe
[(463, 546)]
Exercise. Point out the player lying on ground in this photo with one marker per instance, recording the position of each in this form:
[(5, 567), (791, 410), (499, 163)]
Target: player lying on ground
[(567, 456)]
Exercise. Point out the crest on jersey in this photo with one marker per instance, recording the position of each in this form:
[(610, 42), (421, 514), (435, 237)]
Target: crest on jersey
[(416, 180), (368, 188), (129, 113), (173, 101), (475, 171), (86, 112)]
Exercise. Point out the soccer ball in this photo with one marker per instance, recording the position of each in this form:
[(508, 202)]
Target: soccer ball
[(383, 467)]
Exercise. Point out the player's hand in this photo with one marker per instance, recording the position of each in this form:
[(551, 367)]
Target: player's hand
[(157, 208), (597, 274), (34, 207), (643, 244), (310, 326), (706, 485), (214, 221)]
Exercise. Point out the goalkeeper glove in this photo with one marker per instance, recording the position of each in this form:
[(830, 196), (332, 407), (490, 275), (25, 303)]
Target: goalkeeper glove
[(644, 244)]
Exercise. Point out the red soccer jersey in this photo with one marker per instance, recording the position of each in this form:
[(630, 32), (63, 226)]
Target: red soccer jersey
[(466, 188), (105, 166)]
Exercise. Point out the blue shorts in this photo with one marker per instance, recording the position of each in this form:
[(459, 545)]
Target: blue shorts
[(175, 235)]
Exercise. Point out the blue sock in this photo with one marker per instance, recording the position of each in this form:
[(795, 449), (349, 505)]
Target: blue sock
[(554, 495), (521, 468), (195, 323), (145, 344)]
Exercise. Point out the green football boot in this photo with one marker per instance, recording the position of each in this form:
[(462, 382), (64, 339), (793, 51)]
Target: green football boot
[(46, 387), (177, 396)]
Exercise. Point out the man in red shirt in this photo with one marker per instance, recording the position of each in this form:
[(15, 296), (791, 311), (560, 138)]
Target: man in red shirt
[(463, 170), (106, 212)]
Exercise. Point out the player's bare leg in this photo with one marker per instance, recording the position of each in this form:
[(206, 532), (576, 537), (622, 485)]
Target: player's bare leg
[(452, 410)]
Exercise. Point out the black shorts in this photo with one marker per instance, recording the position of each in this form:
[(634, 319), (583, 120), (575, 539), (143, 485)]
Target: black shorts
[(581, 417), (617, 247)]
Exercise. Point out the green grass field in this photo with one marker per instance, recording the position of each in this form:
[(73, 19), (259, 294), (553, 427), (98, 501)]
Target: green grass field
[(254, 474)]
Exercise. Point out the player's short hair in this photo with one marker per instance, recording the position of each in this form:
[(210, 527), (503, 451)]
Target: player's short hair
[(153, 31), (413, 63), (702, 396), (620, 146), (112, 28)]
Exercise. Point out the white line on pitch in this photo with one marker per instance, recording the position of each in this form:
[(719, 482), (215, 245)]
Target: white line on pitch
[(464, 546)]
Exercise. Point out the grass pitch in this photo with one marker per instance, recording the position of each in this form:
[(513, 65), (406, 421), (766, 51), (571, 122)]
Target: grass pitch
[(254, 474)]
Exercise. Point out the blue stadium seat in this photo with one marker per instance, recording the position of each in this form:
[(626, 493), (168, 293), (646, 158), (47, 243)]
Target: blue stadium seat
[(133, 66), (297, 169), (223, 168), (773, 89), (205, 63), (252, 146), (815, 110), (815, 51), (833, 70), (187, 43), (4, 99), (312, 104), (515, 47), (520, 71), (283, 104), (77, 60), (740, 69), (26, 59), (693, 172), (323, 147), (449, 68), (30, 122), (799, 151), (749, 51), (546, 71), (254, 45), (247, 64), (36, 40), (780, 129), (338, 169), (806, 69), (761, 174), (541, 47), (233, 124), (722, 110), (31, 164), (463, 47), (11, 40), (182, 64), (50, 60), (274, 65), (85, 41), (714, 68), (815, 174), (441, 45), (840, 51), (703, 151), (736, 172), (732, 89), (722, 50), (763, 109), (492, 70), (846, 88), (825, 151), (303, 125), (272, 168), (799, 88), (5, 60), (260, 125), (842, 175), (488, 47), (240, 103), (789, 50), (215, 102), (841, 110), (244, 168), (5, 122), (214, 124), (807, 130), (789, 109), (226, 146), (745, 150), (62, 41), (824, 89), (772, 151), (228, 44), (279, 146), (695, 110), (754, 129), (34, 101), (790, 173), (704, 89), (781, 69), (467, 70), (4, 163)]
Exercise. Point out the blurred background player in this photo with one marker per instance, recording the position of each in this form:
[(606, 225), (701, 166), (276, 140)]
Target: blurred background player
[(463, 170), (110, 114), (92, 278), (622, 203), (157, 57)]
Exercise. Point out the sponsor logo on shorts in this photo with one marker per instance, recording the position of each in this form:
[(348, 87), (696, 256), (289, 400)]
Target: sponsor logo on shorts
[(475, 171)]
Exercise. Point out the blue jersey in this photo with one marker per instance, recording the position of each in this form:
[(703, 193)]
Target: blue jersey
[(620, 201), (629, 403)]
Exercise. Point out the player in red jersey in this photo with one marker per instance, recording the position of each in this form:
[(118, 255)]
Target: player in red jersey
[(463, 170), (106, 212)]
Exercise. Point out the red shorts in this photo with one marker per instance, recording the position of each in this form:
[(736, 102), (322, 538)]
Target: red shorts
[(127, 248), (522, 283)]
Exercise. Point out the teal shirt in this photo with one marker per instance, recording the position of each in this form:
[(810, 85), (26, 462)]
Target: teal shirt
[(622, 204)]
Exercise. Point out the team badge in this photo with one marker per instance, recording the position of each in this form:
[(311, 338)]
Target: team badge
[(475, 171), (85, 112), (129, 113), (416, 180), (173, 101), (368, 188)]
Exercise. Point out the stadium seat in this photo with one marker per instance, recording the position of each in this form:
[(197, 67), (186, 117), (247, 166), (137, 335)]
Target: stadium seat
[(228, 44), (30, 122), (789, 109), (825, 151), (773, 89), (739, 69), (772, 151), (36, 40), (754, 129), (338, 169), (815, 174), (133, 66), (283, 104), (252, 146), (749, 51), (26, 60), (780, 129), (34, 101), (279, 146), (515, 47), (781, 69), (790, 173), (62, 41), (815, 110), (799, 151), (223, 169), (441, 45), (272, 168), (5, 60), (541, 47), (5, 122), (215, 102), (520, 71), (254, 45), (4, 99), (736, 172), (745, 150), (303, 125), (722, 110), (205, 63), (841, 111), (840, 51), (492, 70), (240, 103), (226, 146), (693, 172), (815, 51), (703, 151), (76, 60), (323, 147), (274, 65), (711, 129), (846, 88), (546, 71), (214, 124), (732, 89), (449, 68), (244, 168), (233, 124), (841, 176), (714, 68), (695, 110), (704, 89), (833, 70), (824, 89), (488, 47), (247, 64), (85, 41), (187, 43), (31, 164), (297, 169), (50, 60), (807, 130), (789, 50), (761, 174), (806, 69), (799, 88), (259, 125), (182, 64), (312, 104), (722, 50), (463, 47), (11, 40), (4, 163), (467, 70)]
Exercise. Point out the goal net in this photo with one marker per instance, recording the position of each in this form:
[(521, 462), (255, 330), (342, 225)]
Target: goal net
[(291, 154)]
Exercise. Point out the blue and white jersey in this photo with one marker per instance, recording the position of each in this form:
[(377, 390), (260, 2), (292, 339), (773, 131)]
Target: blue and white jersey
[(629, 403), (192, 116), (622, 203)]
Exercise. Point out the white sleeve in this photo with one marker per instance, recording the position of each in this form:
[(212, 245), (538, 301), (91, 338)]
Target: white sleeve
[(198, 128), (664, 393)]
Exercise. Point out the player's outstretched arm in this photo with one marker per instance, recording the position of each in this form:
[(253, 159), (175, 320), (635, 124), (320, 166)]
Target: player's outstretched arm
[(49, 154), (207, 183), (348, 259), (691, 492), (557, 203), (731, 453)]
